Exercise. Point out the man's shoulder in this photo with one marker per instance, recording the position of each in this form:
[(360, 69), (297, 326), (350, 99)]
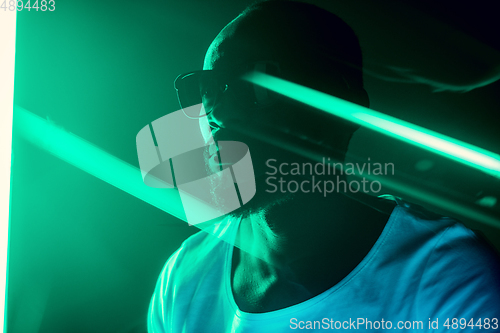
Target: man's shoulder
[(195, 268), (454, 249), (446, 232), (437, 245), (450, 270), (202, 249), (465, 271)]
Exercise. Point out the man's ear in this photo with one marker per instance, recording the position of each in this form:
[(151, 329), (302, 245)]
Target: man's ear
[(362, 98)]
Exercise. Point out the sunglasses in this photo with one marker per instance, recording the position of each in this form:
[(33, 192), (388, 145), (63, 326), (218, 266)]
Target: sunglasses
[(200, 91)]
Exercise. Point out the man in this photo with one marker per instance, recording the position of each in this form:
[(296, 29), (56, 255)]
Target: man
[(305, 260)]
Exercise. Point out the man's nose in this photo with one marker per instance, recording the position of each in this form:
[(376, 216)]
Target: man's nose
[(222, 112), (214, 122)]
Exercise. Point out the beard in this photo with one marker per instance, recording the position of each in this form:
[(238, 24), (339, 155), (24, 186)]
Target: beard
[(263, 201)]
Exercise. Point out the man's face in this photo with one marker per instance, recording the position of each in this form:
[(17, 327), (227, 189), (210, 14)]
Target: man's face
[(229, 116), (302, 128)]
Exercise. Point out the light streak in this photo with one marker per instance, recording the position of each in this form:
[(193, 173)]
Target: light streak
[(443, 145), (93, 160)]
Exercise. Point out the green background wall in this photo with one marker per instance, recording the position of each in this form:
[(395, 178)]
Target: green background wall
[(84, 256)]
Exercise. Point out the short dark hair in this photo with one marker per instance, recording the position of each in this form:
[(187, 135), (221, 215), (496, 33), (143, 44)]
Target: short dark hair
[(313, 47), (323, 40), (323, 50)]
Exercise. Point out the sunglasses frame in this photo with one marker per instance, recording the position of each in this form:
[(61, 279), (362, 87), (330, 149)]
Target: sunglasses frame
[(228, 78)]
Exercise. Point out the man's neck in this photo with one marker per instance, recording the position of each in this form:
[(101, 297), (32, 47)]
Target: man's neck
[(300, 248)]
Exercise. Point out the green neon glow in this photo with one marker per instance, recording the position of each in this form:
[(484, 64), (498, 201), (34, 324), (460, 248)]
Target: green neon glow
[(112, 170), (456, 150), (95, 161)]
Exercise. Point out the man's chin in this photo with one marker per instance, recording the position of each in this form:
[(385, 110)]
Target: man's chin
[(261, 202)]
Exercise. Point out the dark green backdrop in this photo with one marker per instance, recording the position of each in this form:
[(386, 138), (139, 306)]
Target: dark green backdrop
[(84, 256)]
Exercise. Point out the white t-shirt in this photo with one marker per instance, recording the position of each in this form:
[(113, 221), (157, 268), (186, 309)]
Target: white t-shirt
[(418, 272)]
